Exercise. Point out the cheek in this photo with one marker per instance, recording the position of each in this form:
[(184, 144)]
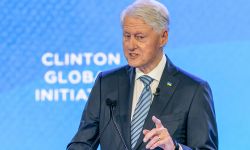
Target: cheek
[(150, 51), (124, 48), (125, 45), (147, 48)]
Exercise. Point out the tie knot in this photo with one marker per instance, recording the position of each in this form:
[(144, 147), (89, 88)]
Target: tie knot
[(147, 80)]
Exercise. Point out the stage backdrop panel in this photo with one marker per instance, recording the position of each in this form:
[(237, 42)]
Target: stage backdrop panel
[(52, 50)]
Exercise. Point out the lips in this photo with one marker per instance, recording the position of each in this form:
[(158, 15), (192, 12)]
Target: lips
[(133, 55)]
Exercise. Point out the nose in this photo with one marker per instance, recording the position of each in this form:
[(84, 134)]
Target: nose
[(131, 44)]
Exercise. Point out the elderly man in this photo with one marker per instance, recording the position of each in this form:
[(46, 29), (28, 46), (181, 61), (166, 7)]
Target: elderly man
[(149, 103)]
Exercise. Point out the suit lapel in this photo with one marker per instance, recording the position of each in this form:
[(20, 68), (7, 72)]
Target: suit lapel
[(167, 87), (125, 96)]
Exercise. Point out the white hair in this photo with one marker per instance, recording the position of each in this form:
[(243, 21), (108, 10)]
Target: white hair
[(152, 12)]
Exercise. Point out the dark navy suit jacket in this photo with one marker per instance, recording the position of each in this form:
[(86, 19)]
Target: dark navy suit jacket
[(184, 106)]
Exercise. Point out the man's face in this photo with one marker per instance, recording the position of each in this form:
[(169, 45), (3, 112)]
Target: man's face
[(141, 44)]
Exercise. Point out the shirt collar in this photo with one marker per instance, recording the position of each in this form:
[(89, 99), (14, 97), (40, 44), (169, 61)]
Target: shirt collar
[(156, 72)]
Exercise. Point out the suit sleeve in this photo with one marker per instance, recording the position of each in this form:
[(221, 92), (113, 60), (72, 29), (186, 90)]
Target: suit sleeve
[(201, 124), (89, 126)]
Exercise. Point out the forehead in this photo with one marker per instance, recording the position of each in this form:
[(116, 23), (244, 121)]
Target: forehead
[(135, 24)]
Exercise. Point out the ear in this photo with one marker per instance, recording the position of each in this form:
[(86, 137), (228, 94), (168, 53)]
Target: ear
[(163, 38)]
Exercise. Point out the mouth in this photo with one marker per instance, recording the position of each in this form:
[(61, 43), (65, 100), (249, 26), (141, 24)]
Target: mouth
[(133, 55)]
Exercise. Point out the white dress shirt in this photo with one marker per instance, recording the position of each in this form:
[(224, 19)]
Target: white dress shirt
[(155, 74)]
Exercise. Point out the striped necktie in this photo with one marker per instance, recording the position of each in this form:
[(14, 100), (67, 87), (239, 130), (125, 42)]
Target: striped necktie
[(141, 110)]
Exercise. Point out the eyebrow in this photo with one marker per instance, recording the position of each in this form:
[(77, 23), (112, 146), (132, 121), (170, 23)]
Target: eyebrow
[(136, 33)]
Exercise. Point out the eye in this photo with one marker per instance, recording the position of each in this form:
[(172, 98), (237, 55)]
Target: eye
[(126, 35), (140, 37)]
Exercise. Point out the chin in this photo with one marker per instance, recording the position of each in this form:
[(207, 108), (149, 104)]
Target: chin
[(134, 64)]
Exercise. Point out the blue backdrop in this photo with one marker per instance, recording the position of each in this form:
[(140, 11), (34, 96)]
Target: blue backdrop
[(51, 51)]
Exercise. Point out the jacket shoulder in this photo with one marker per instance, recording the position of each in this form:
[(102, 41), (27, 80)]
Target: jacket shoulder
[(123, 70), (189, 78)]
